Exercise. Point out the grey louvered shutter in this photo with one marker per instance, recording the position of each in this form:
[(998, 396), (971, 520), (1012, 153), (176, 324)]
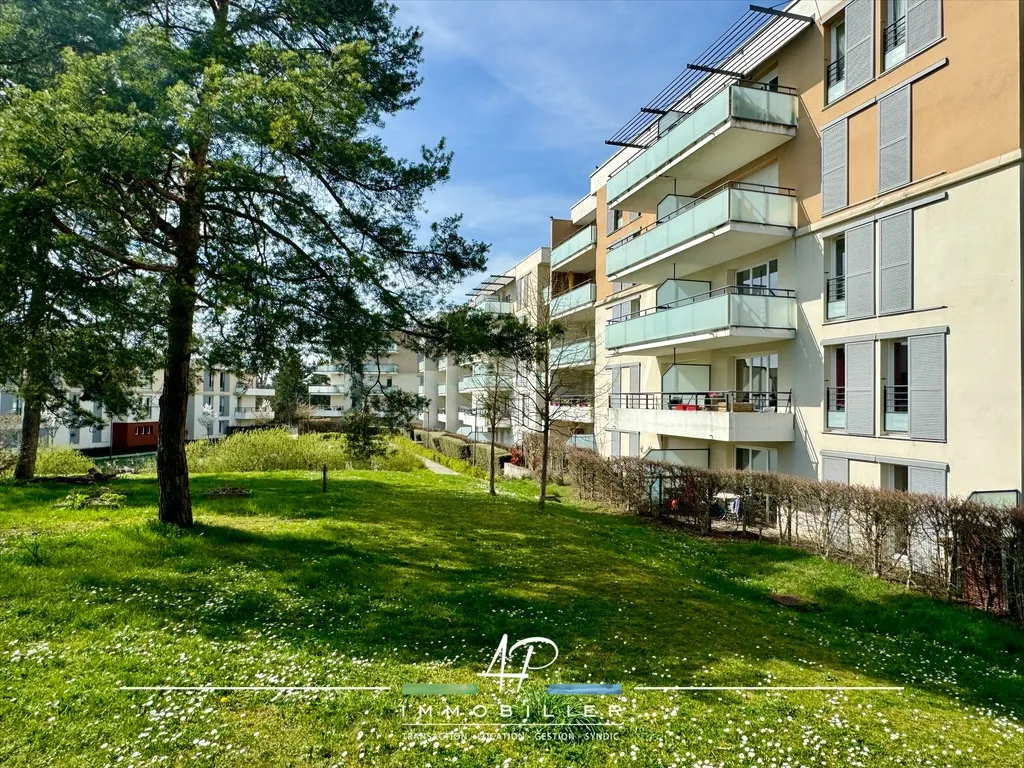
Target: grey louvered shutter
[(833, 167), (895, 263), (860, 388), (924, 24), (860, 271), (860, 43), (610, 221), (835, 469), (894, 140), (926, 480), (927, 390)]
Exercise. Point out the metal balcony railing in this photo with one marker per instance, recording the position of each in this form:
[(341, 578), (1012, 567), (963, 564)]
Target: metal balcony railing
[(836, 71), (835, 399), (718, 400), (573, 401), (895, 35), (897, 408), (835, 288)]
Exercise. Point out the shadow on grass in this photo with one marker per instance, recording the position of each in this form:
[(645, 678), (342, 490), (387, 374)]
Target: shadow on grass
[(406, 566)]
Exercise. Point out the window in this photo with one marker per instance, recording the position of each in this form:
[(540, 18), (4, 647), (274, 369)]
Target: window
[(222, 427), (616, 287), (73, 436), (757, 381), (894, 37), (835, 285), (207, 401), (836, 73), (835, 393), (896, 393), (615, 220), (222, 406), (634, 215), (625, 309), (756, 279), (223, 381), (97, 434), (208, 380), (757, 459)]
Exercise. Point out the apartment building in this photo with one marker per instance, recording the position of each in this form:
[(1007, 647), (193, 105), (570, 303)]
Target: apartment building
[(331, 390), (805, 254), (459, 387)]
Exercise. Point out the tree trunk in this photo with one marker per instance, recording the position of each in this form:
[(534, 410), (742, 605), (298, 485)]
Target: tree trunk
[(493, 492), (175, 505), (544, 463), (30, 422)]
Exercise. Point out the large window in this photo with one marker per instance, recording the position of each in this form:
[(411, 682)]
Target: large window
[(757, 378), (756, 279), (836, 73), (757, 459), (835, 393), (897, 386), (894, 38)]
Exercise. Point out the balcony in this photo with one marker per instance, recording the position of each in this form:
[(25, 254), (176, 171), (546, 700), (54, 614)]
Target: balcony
[(578, 354), (584, 211), (330, 368), (442, 416), (325, 389), (483, 381), (327, 413), (577, 251), (421, 366), (731, 221), (572, 301), (421, 390), (575, 408), (442, 390), (731, 129), (897, 408), (263, 414), (372, 369), (723, 317), (725, 416), (258, 389), (582, 441), (496, 306)]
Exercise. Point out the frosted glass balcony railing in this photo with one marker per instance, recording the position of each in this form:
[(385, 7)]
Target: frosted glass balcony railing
[(738, 201), (577, 353), (574, 299), (329, 368), (582, 441), (743, 102), (483, 381), (371, 369), (733, 306), (497, 306), (442, 390), (325, 389), (585, 238)]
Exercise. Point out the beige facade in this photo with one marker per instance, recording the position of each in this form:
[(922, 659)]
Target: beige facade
[(736, 347)]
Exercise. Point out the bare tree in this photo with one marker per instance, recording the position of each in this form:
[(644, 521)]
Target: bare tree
[(554, 380), (207, 419), (495, 406)]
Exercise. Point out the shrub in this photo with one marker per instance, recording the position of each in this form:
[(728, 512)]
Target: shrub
[(307, 426), (452, 447), (62, 461), (266, 451), (398, 460), (480, 456)]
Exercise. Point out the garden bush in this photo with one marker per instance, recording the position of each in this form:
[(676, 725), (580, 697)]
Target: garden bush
[(62, 461), (397, 460), (480, 456), (268, 450)]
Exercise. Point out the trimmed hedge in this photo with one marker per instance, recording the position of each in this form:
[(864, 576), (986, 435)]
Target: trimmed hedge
[(458, 448), (958, 549)]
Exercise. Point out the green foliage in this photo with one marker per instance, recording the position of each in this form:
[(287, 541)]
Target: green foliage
[(290, 387), (480, 455), (62, 461), (397, 460), (267, 450), (82, 499)]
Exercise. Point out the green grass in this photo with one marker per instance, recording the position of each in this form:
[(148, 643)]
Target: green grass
[(394, 578)]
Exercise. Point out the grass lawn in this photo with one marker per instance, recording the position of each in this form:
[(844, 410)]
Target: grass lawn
[(395, 578)]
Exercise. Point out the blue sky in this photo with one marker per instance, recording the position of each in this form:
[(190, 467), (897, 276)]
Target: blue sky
[(526, 92)]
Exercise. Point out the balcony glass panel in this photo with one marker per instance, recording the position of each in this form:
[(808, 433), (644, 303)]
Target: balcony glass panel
[(572, 245), (717, 310), (577, 353), (498, 306), (370, 369), (582, 441), (747, 203), (739, 101), (442, 390), (574, 299)]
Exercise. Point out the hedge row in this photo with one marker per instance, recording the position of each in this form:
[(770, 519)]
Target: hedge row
[(949, 546), (457, 447)]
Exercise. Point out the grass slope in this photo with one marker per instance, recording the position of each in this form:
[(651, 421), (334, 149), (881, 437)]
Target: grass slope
[(392, 578)]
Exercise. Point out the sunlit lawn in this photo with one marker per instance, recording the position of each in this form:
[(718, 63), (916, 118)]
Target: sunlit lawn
[(394, 578)]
